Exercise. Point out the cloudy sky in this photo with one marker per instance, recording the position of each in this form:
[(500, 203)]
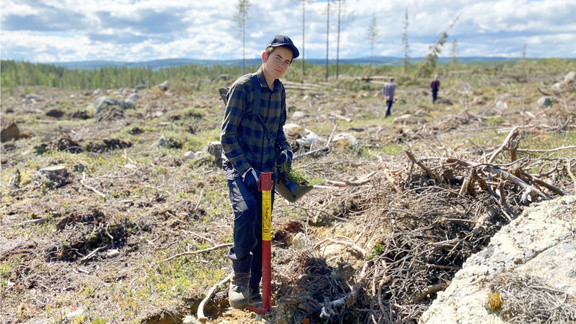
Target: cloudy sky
[(141, 30)]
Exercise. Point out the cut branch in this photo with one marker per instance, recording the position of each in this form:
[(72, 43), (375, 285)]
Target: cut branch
[(198, 252), (200, 314), (509, 143), (413, 159)]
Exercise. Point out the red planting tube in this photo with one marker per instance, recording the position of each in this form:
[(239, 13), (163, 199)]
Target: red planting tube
[(265, 185)]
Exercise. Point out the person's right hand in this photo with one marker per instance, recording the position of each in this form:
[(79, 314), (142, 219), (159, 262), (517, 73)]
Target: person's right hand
[(250, 179)]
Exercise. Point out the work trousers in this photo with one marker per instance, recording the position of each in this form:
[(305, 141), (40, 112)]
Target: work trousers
[(246, 253), (389, 107)]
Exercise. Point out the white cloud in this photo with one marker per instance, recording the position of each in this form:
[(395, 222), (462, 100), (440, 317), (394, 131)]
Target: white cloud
[(139, 30)]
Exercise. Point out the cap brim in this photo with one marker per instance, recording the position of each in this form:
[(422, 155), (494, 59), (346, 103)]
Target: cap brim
[(295, 52)]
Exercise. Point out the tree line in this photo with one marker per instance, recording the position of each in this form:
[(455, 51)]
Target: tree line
[(22, 73)]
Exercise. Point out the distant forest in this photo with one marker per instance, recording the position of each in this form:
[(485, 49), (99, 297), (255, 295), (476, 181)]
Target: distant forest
[(16, 74), (20, 73)]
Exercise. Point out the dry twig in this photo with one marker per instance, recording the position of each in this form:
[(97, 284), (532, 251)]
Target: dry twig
[(209, 294), (198, 252)]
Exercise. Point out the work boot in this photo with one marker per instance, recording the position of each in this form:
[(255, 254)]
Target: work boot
[(239, 293), (255, 298)]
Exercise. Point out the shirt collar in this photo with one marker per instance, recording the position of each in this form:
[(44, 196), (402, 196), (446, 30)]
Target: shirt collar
[(262, 80)]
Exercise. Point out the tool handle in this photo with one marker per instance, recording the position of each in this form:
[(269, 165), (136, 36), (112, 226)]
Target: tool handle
[(265, 182)]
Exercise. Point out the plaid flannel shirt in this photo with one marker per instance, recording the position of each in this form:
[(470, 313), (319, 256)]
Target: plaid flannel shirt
[(249, 139)]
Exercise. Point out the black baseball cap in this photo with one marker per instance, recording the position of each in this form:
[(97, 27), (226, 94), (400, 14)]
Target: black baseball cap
[(281, 40)]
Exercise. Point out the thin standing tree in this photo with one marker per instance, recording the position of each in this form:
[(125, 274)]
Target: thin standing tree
[(340, 3), (240, 18), (342, 13), (373, 34), (454, 52), (405, 45), (327, 34), (302, 52), (524, 51)]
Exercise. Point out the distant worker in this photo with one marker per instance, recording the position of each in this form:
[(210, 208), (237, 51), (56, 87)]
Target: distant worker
[(434, 87), (388, 93)]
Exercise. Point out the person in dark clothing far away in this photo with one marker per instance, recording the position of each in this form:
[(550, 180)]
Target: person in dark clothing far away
[(434, 87), (388, 93), (253, 141)]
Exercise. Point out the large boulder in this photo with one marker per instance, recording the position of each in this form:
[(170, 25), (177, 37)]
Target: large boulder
[(102, 102), (526, 274)]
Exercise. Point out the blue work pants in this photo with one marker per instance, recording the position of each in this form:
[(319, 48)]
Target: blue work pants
[(246, 253)]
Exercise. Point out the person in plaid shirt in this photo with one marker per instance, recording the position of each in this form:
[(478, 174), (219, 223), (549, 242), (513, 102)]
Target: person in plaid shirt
[(251, 135)]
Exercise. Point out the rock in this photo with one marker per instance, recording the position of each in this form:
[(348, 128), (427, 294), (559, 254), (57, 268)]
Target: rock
[(545, 101), (501, 104), (214, 149), (421, 113), (300, 241), (125, 105), (102, 102), (33, 97), (50, 175), (538, 247), (164, 86), (570, 77), (112, 253), (309, 139), (298, 115), (161, 142), (133, 97), (294, 131), (189, 155), (97, 92), (190, 319), (479, 100), (345, 140), (333, 250)]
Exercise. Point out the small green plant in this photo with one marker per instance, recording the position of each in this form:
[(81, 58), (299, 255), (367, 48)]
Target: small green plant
[(495, 120), (296, 175), (181, 195), (376, 251)]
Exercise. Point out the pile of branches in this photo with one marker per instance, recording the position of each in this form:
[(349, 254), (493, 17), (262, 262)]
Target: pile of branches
[(419, 223)]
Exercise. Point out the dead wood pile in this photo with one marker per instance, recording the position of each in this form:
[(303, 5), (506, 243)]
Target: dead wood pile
[(417, 222)]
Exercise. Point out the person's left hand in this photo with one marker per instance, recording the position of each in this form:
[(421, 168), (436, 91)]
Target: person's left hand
[(285, 157)]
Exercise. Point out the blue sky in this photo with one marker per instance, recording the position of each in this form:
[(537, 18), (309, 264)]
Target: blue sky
[(140, 30)]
